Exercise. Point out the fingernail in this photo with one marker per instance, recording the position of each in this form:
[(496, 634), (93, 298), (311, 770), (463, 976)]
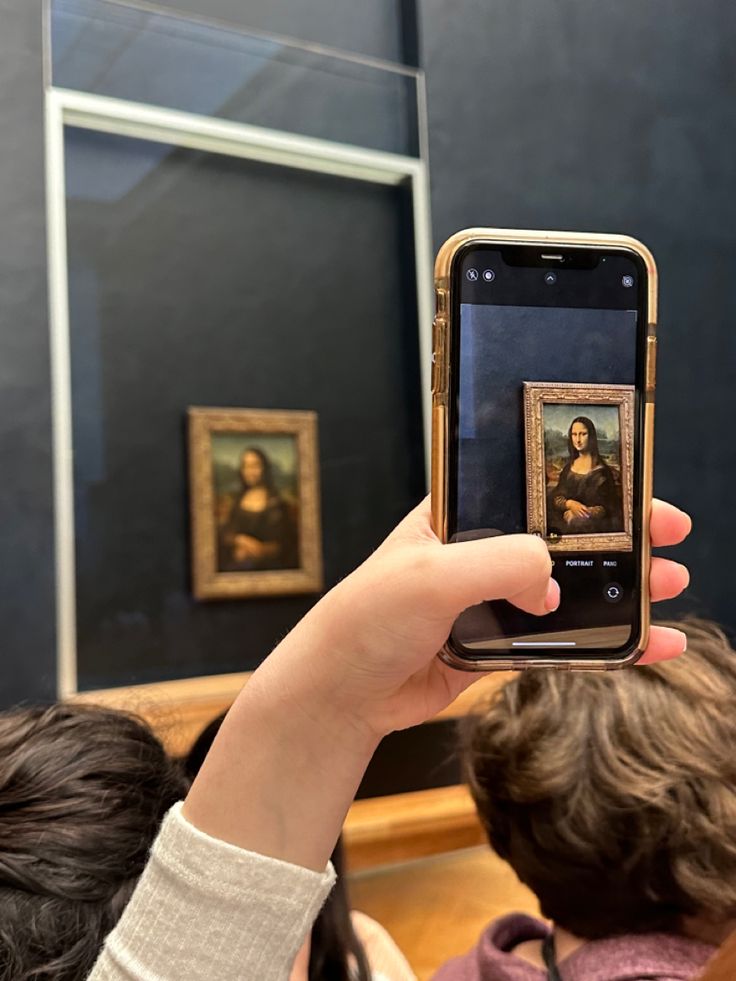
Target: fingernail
[(552, 599)]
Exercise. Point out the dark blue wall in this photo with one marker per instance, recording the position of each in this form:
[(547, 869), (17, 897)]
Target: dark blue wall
[(26, 520), (27, 604), (613, 117), (542, 114)]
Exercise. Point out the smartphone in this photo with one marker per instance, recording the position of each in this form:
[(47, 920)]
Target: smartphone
[(543, 382)]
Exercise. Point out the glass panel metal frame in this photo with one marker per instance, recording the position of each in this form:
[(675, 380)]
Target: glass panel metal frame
[(65, 107)]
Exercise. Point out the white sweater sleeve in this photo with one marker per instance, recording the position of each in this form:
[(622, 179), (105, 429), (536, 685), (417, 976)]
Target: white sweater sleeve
[(205, 910)]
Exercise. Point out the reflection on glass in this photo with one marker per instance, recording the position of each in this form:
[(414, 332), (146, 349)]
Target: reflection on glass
[(162, 59), (201, 279)]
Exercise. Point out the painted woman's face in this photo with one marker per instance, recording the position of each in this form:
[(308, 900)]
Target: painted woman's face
[(251, 469), (579, 436)]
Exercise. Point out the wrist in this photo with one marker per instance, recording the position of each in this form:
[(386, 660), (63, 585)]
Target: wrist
[(283, 770), (317, 676), (304, 691)]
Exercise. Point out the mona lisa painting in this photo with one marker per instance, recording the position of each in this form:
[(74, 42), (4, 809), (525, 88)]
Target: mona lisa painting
[(254, 503), (579, 453)]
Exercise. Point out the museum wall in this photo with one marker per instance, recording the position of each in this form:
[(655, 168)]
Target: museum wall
[(567, 115), (613, 117), (27, 608), (106, 510)]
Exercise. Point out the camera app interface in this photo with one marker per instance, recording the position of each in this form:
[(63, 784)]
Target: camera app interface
[(546, 414)]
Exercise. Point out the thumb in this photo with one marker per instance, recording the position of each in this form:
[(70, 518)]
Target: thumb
[(511, 567)]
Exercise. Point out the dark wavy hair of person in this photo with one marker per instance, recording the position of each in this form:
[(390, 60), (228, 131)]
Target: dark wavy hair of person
[(592, 440), (336, 953), (613, 795), (268, 479), (83, 791)]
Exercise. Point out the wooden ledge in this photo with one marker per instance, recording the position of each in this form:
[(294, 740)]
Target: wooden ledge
[(176, 710), (179, 710), (402, 827), (378, 831)]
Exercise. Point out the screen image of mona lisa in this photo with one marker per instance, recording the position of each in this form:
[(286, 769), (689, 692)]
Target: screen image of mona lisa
[(254, 503), (579, 451)]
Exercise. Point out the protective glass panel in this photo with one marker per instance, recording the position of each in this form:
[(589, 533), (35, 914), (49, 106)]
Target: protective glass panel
[(202, 279), (158, 58)]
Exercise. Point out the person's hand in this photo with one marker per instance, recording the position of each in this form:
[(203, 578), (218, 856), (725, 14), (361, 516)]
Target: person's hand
[(577, 510), (290, 755), (375, 636)]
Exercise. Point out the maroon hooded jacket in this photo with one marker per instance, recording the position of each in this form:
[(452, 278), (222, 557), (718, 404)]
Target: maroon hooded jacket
[(637, 957)]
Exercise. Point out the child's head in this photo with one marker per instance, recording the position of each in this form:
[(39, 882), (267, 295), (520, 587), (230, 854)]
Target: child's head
[(83, 791), (613, 795)]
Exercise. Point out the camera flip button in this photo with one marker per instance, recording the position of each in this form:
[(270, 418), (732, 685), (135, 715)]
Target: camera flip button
[(612, 592)]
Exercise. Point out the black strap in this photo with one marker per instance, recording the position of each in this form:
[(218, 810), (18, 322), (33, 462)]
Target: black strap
[(550, 960)]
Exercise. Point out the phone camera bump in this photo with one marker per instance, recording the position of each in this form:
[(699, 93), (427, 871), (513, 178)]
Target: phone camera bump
[(550, 278)]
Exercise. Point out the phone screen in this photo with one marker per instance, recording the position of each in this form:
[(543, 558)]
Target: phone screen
[(546, 420)]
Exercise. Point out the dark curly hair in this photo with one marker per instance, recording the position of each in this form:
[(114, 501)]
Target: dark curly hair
[(613, 796), (83, 791)]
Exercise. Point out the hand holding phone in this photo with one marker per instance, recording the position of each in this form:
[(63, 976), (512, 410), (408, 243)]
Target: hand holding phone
[(543, 411)]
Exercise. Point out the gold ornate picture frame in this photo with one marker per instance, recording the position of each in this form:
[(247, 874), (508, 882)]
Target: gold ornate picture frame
[(550, 409), (254, 503)]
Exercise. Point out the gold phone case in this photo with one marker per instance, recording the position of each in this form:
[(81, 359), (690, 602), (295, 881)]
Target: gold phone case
[(440, 419)]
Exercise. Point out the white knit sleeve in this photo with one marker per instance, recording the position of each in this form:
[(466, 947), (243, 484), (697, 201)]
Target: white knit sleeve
[(205, 910)]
